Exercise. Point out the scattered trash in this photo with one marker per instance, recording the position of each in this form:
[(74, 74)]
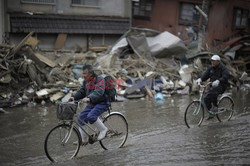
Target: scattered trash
[(43, 102), (138, 61)]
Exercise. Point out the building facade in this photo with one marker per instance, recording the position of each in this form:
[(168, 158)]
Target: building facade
[(225, 17), (80, 23), (2, 20)]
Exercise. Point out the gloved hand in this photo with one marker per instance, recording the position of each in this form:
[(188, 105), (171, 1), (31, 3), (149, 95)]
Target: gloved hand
[(198, 81), (215, 83)]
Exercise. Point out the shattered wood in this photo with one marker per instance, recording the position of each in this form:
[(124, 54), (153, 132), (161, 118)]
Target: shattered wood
[(51, 76)]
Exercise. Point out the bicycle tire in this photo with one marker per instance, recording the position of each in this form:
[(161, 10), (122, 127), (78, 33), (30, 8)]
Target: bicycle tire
[(227, 103), (117, 131), (56, 149), (192, 120)]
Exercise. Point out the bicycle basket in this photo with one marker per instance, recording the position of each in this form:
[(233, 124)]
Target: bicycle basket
[(66, 111)]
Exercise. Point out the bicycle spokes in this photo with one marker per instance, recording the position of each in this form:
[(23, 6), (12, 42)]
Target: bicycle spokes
[(67, 135), (196, 111), (194, 114), (113, 133), (225, 109), (117, 133), (60, 143)]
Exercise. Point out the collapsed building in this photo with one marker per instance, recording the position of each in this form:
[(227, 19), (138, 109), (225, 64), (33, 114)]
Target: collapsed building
[(143, 58)]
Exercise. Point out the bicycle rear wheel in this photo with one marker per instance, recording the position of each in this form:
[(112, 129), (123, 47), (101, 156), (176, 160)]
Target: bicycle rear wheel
[(194, 114), (225, 109), (117, 131), (62, 143)]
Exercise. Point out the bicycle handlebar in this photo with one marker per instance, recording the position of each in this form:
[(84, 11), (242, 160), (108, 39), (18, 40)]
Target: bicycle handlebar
[(204, 85), (76, 101)]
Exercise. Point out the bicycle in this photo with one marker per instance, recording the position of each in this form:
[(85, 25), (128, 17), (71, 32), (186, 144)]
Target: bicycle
[(194, 113), (64, 140)]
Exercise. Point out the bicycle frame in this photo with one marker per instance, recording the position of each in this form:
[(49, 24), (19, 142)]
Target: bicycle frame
[(68, 135), (202, 102), (196, 108), (93, 137), (201, 99)]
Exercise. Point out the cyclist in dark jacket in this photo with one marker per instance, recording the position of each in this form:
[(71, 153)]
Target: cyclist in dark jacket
[(218, 75), (92, 92)]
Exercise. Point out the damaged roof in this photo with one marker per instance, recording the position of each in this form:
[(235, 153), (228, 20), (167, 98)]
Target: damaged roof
[(44, 23)]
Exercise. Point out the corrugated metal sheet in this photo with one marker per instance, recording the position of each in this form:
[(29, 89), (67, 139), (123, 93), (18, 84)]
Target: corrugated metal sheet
[(21, 22)]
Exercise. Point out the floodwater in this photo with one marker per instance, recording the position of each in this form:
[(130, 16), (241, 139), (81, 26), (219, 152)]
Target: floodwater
[(157, 136)]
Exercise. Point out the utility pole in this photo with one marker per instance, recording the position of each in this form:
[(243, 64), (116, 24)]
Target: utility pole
[(3, 4), (202, 26)]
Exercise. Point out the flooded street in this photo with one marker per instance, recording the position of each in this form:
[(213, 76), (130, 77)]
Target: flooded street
[(157, 136)]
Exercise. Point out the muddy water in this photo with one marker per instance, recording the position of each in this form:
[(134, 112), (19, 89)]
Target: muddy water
[(157, 136)]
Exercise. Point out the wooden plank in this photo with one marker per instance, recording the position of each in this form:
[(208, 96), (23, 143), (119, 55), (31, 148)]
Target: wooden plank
[(60, 41), (98, 49), (42, 92), (2, 45), (17, 48), (135, 96), (32, 42), (45, 60), (57, 96), (149, 92)]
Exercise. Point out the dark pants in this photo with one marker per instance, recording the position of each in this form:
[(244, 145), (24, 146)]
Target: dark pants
[(92, 112), (212, 95)]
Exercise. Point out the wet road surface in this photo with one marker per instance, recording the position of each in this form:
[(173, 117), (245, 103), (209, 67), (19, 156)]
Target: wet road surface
[(157, 136)]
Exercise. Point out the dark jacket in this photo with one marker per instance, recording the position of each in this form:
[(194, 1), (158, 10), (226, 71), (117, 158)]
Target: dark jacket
[(93, 89), (219, 72)]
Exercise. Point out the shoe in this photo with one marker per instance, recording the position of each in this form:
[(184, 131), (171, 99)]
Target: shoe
[(102, 128), (102, 134)]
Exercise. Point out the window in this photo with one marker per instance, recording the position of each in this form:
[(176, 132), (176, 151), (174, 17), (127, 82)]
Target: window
[(240, 18), (85, 2), (188, 14), (142, 8), (39, 1)]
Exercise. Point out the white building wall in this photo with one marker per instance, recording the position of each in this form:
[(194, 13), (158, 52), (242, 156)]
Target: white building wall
[(120, 8)]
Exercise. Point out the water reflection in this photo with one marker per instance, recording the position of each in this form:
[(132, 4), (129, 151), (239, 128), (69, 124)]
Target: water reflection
[(157, 136)]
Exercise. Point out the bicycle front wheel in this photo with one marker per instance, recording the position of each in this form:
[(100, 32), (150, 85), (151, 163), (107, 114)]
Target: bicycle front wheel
[(225, 109), (194, 114), (62, 143), (117, 131)]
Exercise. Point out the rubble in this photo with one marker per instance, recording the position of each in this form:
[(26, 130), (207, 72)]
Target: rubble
[(140, 61)]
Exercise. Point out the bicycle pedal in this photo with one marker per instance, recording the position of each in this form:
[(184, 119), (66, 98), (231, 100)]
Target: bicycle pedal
[(92, 138), (91, 141)]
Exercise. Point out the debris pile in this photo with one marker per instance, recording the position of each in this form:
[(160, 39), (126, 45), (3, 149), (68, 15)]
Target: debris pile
[(28, 75), (141, 61), (151, 59)]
